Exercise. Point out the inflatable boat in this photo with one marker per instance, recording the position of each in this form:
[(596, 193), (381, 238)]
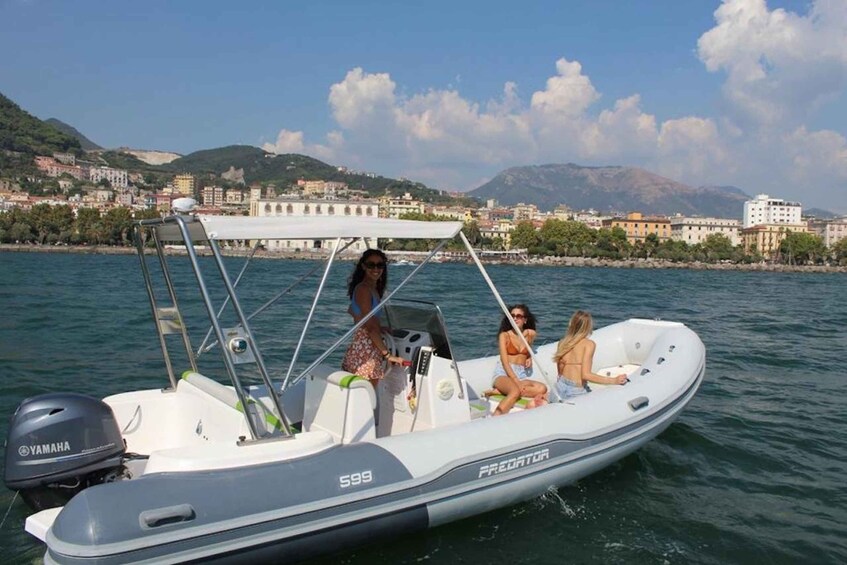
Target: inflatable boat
[(219, 470)]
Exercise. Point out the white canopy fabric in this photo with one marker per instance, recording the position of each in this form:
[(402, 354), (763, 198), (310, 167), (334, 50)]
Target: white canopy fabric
[(309, 227)]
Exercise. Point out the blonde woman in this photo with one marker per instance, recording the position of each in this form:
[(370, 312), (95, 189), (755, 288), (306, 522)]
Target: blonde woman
[(575, 356)]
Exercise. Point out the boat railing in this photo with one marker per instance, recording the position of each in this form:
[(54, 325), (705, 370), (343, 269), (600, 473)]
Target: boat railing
[(235, 349)]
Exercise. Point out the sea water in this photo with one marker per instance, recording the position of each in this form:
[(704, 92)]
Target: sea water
[(752, 471)]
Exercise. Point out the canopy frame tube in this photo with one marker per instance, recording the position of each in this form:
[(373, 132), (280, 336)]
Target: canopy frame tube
[(364, 319), (550, 384)]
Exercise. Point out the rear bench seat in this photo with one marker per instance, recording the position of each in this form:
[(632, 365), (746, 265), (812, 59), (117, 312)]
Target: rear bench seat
[(266, 421)]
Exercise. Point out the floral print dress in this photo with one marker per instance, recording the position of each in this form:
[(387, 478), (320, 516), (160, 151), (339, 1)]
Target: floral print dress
[(363, 358)]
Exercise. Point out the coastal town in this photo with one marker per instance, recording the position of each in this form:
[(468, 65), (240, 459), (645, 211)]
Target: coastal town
[(505, 232)]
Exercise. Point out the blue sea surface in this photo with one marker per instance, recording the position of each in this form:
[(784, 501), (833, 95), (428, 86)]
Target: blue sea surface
[(753, 471)]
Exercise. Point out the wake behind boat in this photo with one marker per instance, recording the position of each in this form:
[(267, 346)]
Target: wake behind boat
[(203, 470)]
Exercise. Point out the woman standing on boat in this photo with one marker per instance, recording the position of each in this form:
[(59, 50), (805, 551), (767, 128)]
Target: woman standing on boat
[(365, 287), (575, 356), (513, 369)]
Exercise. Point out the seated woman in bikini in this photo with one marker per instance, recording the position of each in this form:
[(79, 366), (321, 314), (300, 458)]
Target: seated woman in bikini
[(513, 369), (574, 358)]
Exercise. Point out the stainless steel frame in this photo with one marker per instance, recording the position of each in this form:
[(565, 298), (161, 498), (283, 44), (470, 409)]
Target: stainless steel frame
[(185, 225), (227, 356)]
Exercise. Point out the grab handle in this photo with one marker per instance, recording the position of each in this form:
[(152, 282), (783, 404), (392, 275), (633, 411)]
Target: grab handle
[(638, 403), (167, 515)]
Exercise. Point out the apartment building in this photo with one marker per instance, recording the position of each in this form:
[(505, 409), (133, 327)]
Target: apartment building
[(315, 208), (184, 185), (522, 212), (695, 230), (234, 196), (453, 212), (213, 195), (638, 227), (53, 168), (117, 177), (590, 218), (394, 207), (65, 158), (766, 238), (764, 210), (501, 228), (830, 231)]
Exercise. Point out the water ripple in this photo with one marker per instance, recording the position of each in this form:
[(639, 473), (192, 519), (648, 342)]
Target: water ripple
[(753, 471)]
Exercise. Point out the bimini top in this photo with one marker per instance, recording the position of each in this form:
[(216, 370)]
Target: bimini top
[(204, 228)]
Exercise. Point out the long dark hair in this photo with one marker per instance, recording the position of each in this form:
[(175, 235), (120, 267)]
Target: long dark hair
[(529, 324), (359, 273)]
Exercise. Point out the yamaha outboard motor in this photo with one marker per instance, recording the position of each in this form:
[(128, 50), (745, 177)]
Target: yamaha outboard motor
[(59, 444)]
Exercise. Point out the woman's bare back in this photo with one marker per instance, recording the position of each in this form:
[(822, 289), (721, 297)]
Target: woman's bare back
[(570, 364)]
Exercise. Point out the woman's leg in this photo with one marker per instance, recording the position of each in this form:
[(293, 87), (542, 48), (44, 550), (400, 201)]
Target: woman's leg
[(511, 390), (535, 390)]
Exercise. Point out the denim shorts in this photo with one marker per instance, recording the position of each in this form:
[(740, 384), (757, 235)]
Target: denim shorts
[(567, 389), (521, 372)]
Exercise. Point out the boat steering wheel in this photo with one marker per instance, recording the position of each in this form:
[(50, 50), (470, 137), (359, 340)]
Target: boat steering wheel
[(392, 349)]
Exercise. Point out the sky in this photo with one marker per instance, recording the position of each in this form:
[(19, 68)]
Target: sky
[(745, 93)]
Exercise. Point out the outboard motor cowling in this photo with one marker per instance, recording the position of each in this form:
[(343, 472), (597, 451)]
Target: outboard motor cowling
[(59, 444)]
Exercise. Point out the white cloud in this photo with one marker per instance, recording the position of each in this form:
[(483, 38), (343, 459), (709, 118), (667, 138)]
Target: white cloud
[(568, 95), (691, 148), (362, 98), (292, 142), (286, 142), (780, 67), (813, 153)]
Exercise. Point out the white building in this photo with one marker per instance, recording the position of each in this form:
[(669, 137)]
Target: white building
[(831, 231), (316, 208), (397, 206), (695, 230), (590, 218), (117, 177), (766, 210)]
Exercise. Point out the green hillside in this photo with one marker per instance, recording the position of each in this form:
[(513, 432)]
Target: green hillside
[(284, 170), (22, 132), (84, 142), (120, 160)]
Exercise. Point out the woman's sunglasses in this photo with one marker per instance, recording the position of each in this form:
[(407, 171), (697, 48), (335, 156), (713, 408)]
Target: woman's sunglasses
[(369, 265), (519, 315)]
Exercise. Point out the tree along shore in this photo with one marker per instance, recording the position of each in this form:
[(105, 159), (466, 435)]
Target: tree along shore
[(532, 261)]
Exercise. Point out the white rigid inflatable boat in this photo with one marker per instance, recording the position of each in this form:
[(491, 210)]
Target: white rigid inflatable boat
[(321, 462)]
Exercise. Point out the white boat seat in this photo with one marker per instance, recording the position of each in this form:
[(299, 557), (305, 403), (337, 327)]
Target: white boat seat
[(262, 414), (521, 404), (341, 404)]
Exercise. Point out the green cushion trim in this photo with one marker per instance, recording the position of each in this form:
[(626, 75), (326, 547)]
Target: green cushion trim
[(269, 418), (522, 402), (346, 381), (476, 406), (186, 373)]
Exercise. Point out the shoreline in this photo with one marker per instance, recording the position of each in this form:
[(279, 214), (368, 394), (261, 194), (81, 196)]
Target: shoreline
[(537, 261)]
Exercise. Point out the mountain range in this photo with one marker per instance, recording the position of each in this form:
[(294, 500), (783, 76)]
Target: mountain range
[(609, 189)]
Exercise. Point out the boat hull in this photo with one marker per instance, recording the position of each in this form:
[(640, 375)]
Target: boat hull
[(265, 513)]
